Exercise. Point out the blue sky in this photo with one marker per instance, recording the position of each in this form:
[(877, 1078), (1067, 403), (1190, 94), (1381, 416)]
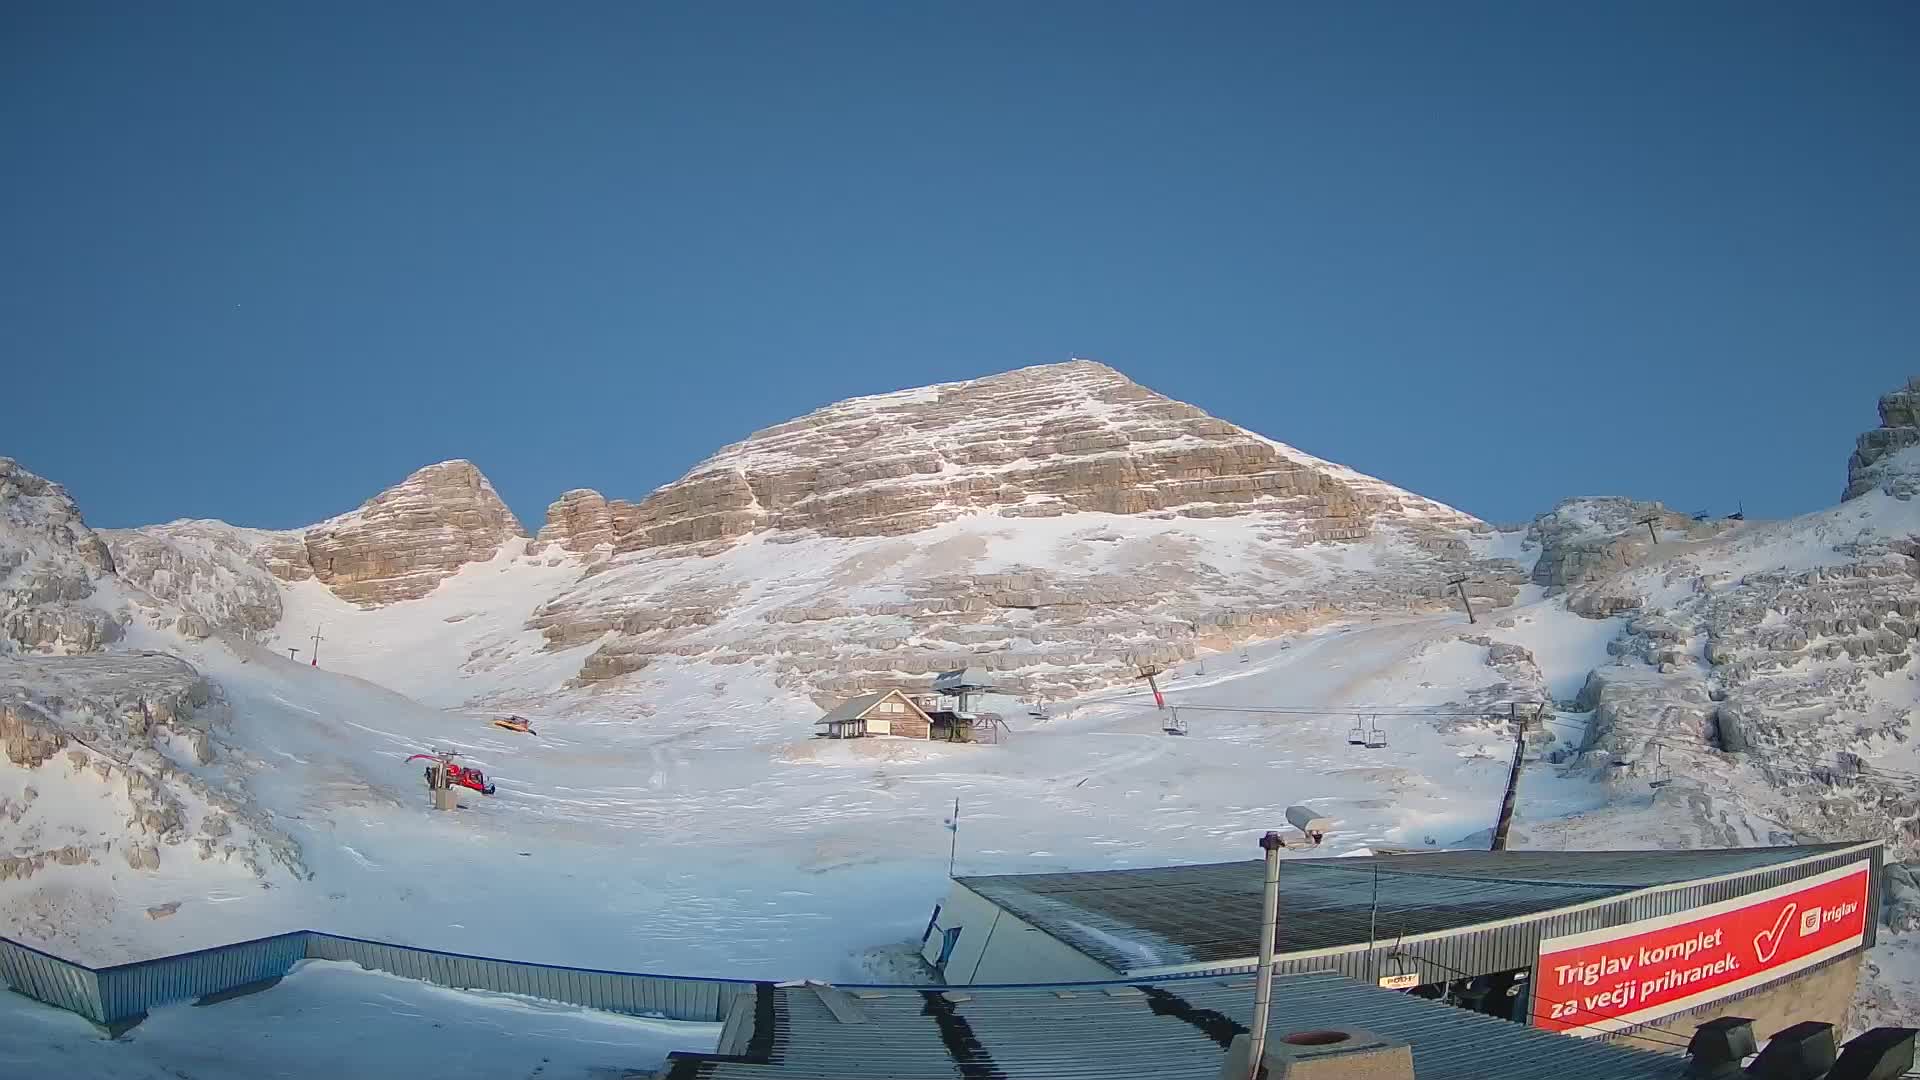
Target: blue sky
[(258, 261)]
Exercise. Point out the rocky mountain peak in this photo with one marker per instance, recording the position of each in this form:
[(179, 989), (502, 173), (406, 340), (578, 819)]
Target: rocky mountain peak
[(404, 541), (38, 506), (1035, 442), (49, 559), (1884, 458)]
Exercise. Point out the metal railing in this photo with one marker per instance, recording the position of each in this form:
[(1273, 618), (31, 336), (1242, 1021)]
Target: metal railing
[(126, 992)]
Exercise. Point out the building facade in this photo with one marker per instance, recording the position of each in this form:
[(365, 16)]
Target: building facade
[(889, 712), (1585, 943)]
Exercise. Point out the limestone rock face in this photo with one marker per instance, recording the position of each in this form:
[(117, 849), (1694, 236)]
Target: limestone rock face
[(124, 729), (578, 521), (49, 560), (407, 539), (1036, 442), (1587, 539), (1883, 458), (39, 506), (1059, 525), (217, 575)]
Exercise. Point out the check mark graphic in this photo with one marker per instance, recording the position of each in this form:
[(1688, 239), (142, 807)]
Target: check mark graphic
[(1767, 942)]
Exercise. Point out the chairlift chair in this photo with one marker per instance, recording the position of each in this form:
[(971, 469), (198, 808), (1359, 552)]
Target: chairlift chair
[(1356, 735), (1174, 725), (1662, 776), (1376, 736)]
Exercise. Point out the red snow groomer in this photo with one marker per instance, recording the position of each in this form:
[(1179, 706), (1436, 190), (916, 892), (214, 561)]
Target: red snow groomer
[(457, 775)]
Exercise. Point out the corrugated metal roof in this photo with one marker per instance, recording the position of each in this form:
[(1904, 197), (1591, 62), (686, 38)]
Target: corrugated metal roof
[(1175, 1029), (1136, 920), (969, 678), (853, 708)]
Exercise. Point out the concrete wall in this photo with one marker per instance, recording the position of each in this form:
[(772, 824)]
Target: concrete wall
[(1823, 994), (996, 946)]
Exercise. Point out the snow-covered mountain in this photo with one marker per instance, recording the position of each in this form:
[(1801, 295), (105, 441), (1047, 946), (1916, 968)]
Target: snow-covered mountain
[(1059, 525)]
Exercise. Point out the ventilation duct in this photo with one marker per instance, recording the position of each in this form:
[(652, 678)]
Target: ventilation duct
[(1718, 1047), (1802, 1052), (1881, 1054)]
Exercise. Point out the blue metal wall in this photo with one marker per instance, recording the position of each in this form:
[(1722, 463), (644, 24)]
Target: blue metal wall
[(671, 996), (45, 977), (129, 990)]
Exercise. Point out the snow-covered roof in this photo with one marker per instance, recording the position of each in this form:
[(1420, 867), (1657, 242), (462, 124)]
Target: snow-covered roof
[(855, 708), (1171, 1029)]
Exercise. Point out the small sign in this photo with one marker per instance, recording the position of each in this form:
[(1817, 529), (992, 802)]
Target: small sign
[(1399, 982)]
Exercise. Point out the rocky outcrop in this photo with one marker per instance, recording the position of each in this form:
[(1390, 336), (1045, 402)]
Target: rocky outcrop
[(1591, 538), (578, 521), (37, 506), (407, 539), (1883, 458), (29, 736), (216, 575), (49, 560), (128, 729), (1037, 442)]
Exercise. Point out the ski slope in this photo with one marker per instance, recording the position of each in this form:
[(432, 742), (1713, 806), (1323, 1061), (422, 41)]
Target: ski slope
[(718, 837)]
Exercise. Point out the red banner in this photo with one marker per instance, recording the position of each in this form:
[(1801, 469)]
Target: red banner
[(1604, 980)]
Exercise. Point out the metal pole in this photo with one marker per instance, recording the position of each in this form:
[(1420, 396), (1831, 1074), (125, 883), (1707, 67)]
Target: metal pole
[(1373, 922), (953, 844), (1460, 584), (1513, 787), (1269, 921)]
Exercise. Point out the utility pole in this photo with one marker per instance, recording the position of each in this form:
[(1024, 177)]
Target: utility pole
[(1505, 823), (1148, 672), (1460, 583), (1648, 522), (317, 639)]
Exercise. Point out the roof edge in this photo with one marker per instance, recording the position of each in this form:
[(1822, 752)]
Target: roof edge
[(1198, 967)]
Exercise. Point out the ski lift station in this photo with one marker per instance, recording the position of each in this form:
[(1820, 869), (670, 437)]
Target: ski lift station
[(1587, 943)]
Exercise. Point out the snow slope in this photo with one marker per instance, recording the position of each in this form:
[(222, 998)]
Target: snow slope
[(719, 838)]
